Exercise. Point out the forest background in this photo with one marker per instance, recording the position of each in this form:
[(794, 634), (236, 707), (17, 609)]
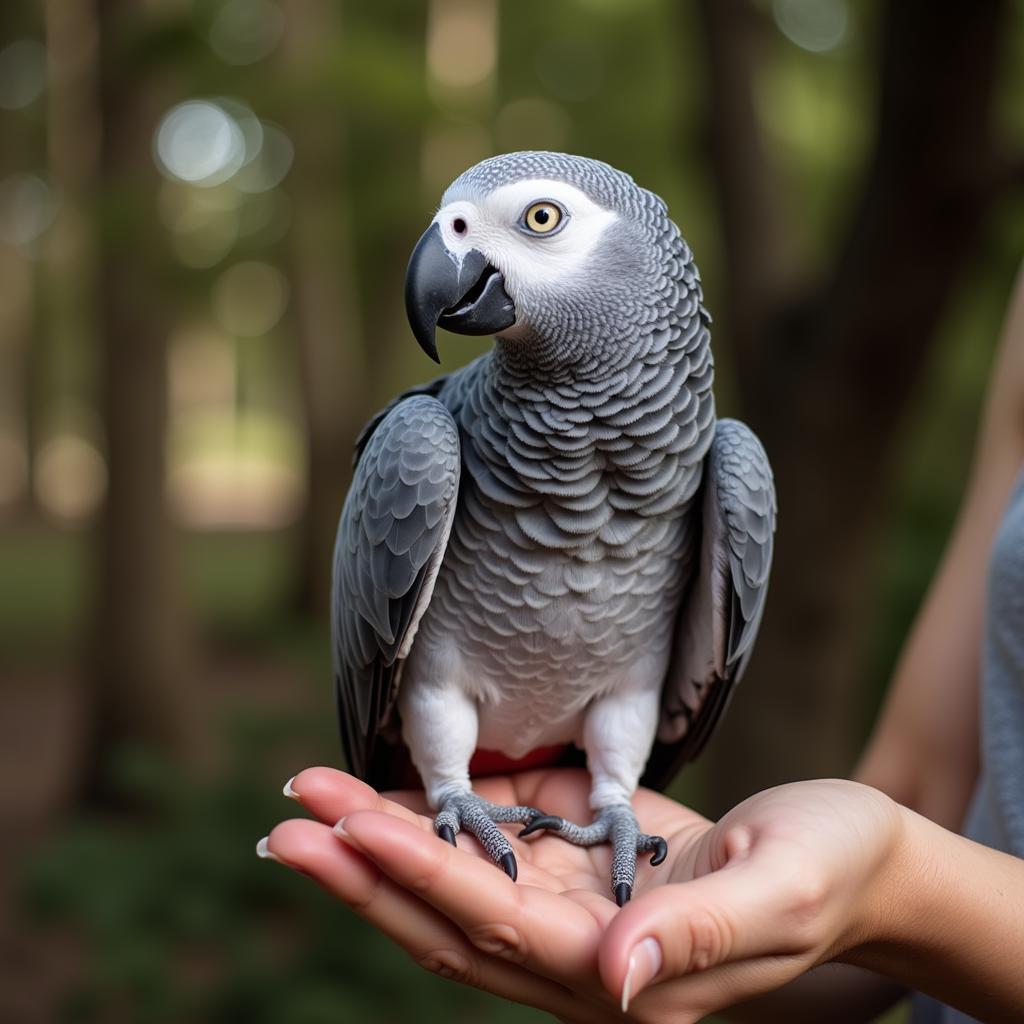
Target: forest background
[(206, 209)]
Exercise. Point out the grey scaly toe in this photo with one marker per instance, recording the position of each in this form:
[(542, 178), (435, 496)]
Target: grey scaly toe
[(616, 825), (480, 818)]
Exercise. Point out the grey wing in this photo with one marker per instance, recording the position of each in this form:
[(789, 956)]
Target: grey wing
[(720, 617), (391, 538)]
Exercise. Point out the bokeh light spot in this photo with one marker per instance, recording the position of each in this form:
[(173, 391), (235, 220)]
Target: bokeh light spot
[(204, 222), (200, 143), (22, 73), (462, 42), (27, 208), (267, 168), (250, 298), (246, 31), (814, 25), (70, 477)]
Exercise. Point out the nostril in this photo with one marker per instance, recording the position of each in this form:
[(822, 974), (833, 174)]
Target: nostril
[(459, 226)]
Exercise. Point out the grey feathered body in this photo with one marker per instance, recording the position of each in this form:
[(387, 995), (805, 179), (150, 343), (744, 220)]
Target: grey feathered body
[(573, 538)]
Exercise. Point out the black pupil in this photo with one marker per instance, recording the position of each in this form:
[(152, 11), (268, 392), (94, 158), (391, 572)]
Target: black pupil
[(459, 225), (542, 216)]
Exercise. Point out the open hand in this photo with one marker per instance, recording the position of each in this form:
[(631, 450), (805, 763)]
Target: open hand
[(790, 878)]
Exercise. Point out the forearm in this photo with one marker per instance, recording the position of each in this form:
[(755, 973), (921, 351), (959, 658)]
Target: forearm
[(950, 922)]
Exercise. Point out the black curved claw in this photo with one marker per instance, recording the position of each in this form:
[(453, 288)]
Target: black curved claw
[(447, 834), (508, 865), (542, 821), (660, 851), (623, 891)]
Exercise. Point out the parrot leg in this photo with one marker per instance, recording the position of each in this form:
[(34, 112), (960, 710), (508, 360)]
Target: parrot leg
[(479, 817), (617, 735), (616, 825), (439, 725)]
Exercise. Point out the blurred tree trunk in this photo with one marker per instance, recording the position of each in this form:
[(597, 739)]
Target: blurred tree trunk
[(138, 691), (67, 310), (17, 330), (825, 373), (388, 178), (326, 313), (20, 333)]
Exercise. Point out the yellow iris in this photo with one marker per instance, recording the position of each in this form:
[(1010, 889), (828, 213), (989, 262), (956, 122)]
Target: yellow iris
[(543, 217)]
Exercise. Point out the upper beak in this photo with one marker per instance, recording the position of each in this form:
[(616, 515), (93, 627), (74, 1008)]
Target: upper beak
[(467, 296)]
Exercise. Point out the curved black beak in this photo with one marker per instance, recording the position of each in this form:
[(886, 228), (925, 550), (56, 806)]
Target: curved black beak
[(466, 298)]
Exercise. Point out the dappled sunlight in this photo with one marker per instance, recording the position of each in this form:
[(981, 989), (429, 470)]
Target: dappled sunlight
[(70, 478), (229, 467), (240, 486)]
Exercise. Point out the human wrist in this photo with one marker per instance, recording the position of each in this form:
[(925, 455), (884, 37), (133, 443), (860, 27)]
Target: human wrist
[(884, 909), (906, 897), (955, 922)]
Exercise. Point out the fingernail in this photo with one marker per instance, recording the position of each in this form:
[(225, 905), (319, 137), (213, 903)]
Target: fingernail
[(339, 828), (265, 853), (644, 963), (289, 791)]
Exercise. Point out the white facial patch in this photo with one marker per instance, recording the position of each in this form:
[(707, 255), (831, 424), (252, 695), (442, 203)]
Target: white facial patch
[(492, 225)]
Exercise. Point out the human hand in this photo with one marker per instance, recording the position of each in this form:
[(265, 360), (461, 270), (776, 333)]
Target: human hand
[(788, 879)]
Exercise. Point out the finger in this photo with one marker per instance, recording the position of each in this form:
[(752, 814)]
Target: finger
[(431, 940), (695, 997), (762, 903), (329, 795), (555, 934)]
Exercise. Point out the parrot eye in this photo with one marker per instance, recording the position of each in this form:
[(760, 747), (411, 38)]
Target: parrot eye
[(542, 218)]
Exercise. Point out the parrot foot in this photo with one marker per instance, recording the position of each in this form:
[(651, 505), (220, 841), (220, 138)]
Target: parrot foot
[(480, 818), (616, 825)]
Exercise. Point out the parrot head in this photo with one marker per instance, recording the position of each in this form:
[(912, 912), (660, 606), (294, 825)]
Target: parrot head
[(545, 250)]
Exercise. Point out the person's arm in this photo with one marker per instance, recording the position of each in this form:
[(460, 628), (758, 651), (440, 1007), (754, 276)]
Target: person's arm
[(924, 750), (952, 924)]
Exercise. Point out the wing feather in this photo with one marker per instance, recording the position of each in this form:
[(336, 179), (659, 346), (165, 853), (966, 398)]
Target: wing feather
[(391, 539), (720, 618)]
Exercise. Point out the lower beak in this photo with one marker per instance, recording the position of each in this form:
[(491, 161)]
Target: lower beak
[(465, 297)]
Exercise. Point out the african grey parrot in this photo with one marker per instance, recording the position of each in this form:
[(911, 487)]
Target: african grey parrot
[(558, 545)]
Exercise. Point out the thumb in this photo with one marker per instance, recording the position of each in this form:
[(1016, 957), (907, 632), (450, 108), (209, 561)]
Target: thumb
[(754, 906)]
